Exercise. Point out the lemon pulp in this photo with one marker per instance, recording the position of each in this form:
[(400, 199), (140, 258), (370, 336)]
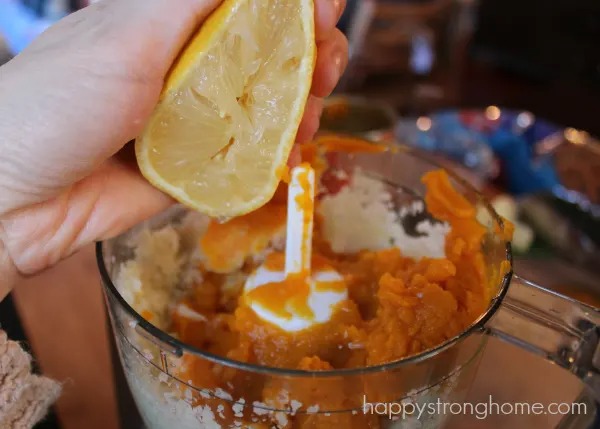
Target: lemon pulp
[(227, 123)]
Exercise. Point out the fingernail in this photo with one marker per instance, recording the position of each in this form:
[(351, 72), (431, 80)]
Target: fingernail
[(320, 102), (339, 60), (337, 4)]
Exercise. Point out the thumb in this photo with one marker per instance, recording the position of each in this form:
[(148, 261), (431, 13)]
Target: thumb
[(111, 200), (152, 31), (76, 95)]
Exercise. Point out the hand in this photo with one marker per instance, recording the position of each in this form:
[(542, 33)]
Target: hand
[(73, 99)]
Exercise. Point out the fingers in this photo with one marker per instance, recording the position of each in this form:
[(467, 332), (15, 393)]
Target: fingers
[(327, 14), (120, 184), (332, 59), (311, 119)]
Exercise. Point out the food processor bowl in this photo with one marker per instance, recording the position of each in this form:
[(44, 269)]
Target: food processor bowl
[(384, 396)]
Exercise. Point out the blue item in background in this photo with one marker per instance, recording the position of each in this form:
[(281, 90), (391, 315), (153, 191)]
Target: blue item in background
[(523, 173), (19, 25), (482, 139), (444, 134)]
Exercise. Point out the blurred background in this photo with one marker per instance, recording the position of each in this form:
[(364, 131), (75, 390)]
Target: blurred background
[(505, 91)]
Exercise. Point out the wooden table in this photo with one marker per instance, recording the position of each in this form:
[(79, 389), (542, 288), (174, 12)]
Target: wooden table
[(63, 313)]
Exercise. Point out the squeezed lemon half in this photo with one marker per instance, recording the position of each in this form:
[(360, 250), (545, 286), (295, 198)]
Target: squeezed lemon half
[(231, 106)]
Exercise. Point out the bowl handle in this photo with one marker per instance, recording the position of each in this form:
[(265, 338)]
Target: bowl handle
[(556, 327)]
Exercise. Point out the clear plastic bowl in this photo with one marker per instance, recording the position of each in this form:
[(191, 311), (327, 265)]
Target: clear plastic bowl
[(384, 396)]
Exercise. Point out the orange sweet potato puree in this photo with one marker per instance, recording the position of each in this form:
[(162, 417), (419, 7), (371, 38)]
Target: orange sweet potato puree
[(347, 144), (227, 245), (397, 307)]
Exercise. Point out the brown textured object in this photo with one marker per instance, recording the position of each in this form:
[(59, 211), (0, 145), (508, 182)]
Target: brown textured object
[(24, 397), (578, 167), (383, 34), (395, 24)]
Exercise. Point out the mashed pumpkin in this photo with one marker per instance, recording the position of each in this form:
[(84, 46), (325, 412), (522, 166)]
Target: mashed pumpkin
[(397, 306)]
